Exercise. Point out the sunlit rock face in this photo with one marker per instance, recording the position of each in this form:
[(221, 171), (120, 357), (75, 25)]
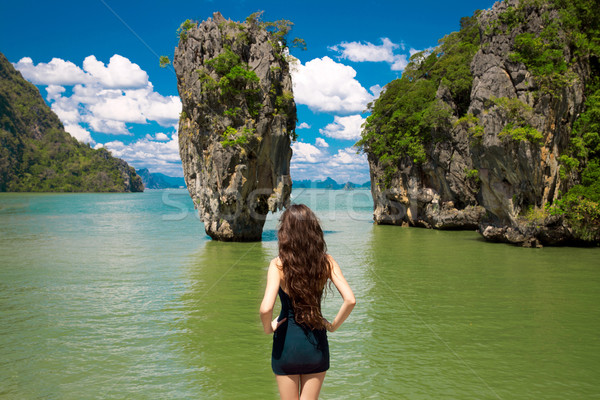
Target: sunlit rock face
[(236, 125)]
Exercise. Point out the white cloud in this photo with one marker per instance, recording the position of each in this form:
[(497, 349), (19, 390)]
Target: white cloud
[(79, 133), (54, 92), (376, 90), (348, 157), (358, 52), (157, 156), (309, 162), (346, 128), (306, 152), (400, 62), (56, 72), (162, 109), (353, 170), (303, 125), (104, 98), (122, 108), (385, 52), (325, 85), (110, 127), (160, 136), (320, 142), (119, 73)]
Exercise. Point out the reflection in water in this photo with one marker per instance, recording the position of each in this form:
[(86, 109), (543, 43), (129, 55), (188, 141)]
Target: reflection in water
[(222, 339)]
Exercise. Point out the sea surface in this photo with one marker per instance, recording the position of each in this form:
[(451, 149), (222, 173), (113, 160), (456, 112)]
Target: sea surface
[(123, 296)]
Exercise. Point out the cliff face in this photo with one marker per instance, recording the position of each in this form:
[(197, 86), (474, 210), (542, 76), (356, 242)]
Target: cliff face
[(237, 123), (36, 154), (494, 159), (519, 174)]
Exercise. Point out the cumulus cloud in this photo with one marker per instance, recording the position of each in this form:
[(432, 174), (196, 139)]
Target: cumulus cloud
[(54, 92), (303, 125), (344, 166), (120, 108), (400, 62), (346, 128), (79, 133), (104, 97), (367, 51), (328, 86), (312, 162), (158, 156), (320, 142), (160, 136), (358, 51), (119, 73), (348, 156), (306, 152), (56, 72)]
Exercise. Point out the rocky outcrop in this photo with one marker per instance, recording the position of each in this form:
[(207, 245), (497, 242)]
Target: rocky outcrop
[(516, 175), (437, 193), (236, 125), (489, 180)]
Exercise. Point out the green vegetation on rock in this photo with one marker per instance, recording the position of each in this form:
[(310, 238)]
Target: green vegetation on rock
[(183, 29), (406, 116), (237, 84), (517, 114), (232, 87)]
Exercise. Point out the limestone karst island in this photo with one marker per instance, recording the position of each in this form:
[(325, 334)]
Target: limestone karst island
[(237, 123)]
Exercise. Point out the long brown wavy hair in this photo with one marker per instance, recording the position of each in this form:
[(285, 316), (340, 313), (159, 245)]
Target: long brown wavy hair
[(306, 267)]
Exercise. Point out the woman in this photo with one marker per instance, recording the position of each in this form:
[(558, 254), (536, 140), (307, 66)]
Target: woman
[(300, 354)]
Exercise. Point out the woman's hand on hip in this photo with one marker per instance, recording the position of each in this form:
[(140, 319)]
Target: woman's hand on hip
[(275, 324)]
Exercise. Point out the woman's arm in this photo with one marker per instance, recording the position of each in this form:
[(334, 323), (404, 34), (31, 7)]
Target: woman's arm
[(266, 307), (347, 295)]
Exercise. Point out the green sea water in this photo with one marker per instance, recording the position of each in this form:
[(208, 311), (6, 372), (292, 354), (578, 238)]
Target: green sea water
[(122, 296)]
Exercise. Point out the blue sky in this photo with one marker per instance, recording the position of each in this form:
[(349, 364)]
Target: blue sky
[(96, 63)]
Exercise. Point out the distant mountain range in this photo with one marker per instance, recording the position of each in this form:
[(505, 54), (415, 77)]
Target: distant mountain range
[(328, 183), (155, 180)]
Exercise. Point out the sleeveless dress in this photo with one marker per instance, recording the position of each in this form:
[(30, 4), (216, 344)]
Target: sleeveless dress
[(297, 349)]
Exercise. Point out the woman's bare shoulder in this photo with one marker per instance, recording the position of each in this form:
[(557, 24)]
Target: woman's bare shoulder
[(331, 259), (276, 262)]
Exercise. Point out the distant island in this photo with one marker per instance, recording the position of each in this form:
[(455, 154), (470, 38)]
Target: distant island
[(156, 180), (328, 183), (38, 155)]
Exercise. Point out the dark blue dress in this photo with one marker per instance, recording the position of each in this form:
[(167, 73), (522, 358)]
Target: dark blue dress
[(297, 349)]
